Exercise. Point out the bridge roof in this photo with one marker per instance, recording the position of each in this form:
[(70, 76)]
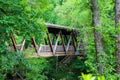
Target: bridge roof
[(55, 28)]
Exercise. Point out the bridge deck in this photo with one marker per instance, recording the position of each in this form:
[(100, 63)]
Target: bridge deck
[(45, 51), (59, 48), (50, 54)]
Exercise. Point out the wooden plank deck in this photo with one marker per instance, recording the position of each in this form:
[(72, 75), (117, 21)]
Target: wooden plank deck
[(46, 48), (45, 51), (50, 54)]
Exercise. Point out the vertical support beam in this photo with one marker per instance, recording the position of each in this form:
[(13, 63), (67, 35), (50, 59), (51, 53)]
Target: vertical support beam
[(22, 46), (39, 49), (68, 45), (55, 47), (14, 42), (34, 44), (63, 43), (50, 43)]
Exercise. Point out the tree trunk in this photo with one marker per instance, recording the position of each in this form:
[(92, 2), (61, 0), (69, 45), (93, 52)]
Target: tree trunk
[(97, 33), (117, 24)]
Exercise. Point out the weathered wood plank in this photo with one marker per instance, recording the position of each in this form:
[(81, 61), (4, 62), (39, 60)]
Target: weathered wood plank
[(46, 48), (63, 43), (68, 45), (50, 43), (56, 43), (34, 44), (56, 26), (14, 42), (39, 50), (50, 54)]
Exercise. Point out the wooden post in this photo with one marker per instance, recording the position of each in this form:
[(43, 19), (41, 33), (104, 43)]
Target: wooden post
[(68, 45), (50, 43), (55, 47), (22, 46), (63, 44), (39, 49), (34, 44), (14, 42)]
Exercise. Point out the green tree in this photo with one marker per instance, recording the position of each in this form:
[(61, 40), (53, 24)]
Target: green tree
[(98, 36), (22, 18)]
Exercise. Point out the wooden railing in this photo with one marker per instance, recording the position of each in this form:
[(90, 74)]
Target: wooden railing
[(45, 50), (49, 50)]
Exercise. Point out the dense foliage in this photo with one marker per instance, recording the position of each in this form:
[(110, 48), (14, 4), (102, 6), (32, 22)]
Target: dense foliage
[(17, 17), (26, 18)]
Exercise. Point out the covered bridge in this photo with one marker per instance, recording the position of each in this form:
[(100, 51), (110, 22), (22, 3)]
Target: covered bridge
[(60, 41)]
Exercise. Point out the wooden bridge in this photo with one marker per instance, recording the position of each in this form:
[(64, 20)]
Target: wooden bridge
[(60, 41)]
